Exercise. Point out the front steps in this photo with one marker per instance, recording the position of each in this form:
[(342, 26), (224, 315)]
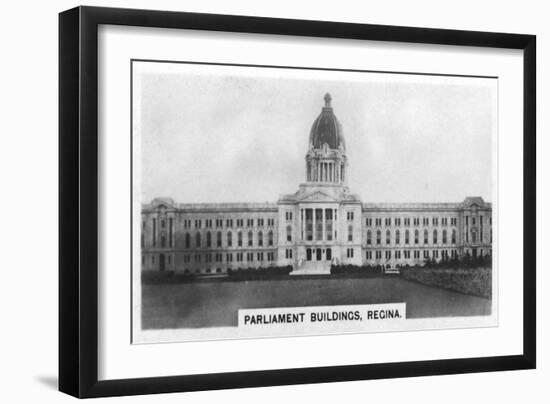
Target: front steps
[(313, 268)]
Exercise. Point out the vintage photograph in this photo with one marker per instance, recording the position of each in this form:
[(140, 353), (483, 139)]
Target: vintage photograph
[(286, 201)]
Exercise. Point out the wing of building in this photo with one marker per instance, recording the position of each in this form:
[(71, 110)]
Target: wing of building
[(320, 225)]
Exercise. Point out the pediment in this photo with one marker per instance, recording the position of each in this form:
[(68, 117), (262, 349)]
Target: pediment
[(317, 196)]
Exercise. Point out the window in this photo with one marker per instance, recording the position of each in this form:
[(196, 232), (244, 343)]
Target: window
[(270, 238), (407, 236), (187, 240), (260, 239), (171, 232), (219, 223), (435, 237), (163, 241), (288, 253), (369, 237), (425, 221), (260, 222), (260, 256), (378, 222), (388, 254), (435, 254), (426, 254), (240, 239), (369, 222), (453, 236), (288, 216), (198, 240), (425, 236), (229, 257), (349, 252), (416, 236), (350, 233), (388, 222), (208, 240), (378, 255), (154, 232), (250, 240), (444, 236), (229, 239), (369, 255), (444, 221), (378, 237), (397, 237), (350, 216), (388, 237), (198, 224), (219, 239), (398, 254), (435, 221), (288, 233), (239, 257)]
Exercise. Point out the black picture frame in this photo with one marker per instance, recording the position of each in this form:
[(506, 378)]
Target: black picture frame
[(78, 200)]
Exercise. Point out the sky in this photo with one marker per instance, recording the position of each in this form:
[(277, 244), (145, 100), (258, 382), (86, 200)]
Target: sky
[(240, 134)]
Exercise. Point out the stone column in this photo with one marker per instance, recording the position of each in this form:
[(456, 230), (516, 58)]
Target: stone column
[(314, 224), (324, 216), (302, 224)]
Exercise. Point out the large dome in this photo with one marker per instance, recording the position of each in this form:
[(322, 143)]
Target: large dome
[(326, 129)]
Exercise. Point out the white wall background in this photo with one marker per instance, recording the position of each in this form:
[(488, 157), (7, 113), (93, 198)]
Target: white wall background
[(28, 170)]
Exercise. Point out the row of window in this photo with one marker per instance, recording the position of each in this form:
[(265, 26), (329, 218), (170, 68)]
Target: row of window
[(397, 221), (229, 239), (218, 257), (406, 254), (407, 238), (228, 223)]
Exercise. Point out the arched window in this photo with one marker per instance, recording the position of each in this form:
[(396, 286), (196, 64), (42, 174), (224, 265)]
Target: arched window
[(388, 237), (407, 236), (219, 239), (208, 240), (435, 237), (240, 239), (397, 237), (350, 233), (250, 239), (260, 238), (229, 239), (198, 240), (444, 236), (288, 233), (187, 240), (270, 238), (425, 236), (378, 236), (369, 236), (453, 237), (416, 237)]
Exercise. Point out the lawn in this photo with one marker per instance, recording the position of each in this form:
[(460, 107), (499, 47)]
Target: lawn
[(215, 304)]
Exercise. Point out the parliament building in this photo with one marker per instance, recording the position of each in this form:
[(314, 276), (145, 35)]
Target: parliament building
[(320, 225)]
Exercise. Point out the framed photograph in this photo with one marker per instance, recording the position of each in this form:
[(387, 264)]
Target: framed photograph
[(251, 201)]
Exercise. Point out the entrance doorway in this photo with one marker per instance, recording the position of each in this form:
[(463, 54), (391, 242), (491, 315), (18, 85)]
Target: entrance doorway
[(329, 254), (319, 254), (162, 262)]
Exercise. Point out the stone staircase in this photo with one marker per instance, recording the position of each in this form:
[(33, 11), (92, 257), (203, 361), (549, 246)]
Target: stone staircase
[(313, 268)]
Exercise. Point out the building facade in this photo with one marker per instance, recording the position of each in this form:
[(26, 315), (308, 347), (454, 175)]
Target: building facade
[(320, 225)]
